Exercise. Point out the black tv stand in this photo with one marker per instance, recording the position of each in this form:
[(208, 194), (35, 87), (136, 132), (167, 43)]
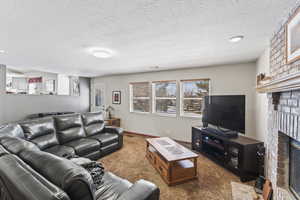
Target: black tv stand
[(238, 154), (228, 134)]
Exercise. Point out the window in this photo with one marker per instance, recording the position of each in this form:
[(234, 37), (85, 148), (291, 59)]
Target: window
[(192, 97), (164, 97), (64, 84), (140, 97)]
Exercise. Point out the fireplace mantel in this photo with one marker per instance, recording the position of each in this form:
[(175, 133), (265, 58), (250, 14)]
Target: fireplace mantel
[(286, 83)]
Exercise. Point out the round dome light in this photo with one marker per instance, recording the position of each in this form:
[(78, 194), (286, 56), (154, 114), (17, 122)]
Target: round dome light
[(101, 52), (236, 38)]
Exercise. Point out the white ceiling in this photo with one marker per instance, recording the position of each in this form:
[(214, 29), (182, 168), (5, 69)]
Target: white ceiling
[(53, 35)]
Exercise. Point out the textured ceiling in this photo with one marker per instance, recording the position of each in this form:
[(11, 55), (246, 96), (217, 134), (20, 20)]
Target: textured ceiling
[(53, 35)]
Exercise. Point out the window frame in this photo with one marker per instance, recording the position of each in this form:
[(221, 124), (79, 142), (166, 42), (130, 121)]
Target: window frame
[(182, 113), (131, 98), (154, 98)]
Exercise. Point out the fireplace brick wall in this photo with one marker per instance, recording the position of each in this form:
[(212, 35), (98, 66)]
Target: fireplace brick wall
[(278, 65), (283, 114), (283, 124)]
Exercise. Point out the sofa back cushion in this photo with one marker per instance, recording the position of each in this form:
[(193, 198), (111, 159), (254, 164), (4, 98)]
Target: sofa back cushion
[(41, 132), (93, 123), (73, 179), (13, 130), (69, 127), (16, 145)]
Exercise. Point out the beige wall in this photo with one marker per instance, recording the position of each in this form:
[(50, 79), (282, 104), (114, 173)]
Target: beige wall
[(227, 79), (261, 101)]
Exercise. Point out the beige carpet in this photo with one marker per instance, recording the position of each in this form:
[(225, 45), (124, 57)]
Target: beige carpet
[(213, 181)]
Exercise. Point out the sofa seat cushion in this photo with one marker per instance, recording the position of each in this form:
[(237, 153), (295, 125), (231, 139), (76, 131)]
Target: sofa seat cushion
[(106, 138), (112, 187), (62, 151), (84, 146)]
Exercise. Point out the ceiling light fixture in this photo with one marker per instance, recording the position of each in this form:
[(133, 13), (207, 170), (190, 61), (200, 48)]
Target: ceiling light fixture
[(154, 67), (2, 51), (101, 52), (236, 38)]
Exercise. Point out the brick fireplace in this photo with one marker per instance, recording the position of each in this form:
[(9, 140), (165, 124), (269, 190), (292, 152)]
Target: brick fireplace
[(283, 127), (283, 116)]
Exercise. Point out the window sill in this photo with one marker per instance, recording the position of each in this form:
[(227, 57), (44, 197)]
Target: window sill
[(165, 115), (192, 116), (142, 113)]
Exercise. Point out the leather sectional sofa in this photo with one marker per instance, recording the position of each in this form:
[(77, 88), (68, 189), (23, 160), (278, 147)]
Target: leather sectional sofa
[(33, 164)]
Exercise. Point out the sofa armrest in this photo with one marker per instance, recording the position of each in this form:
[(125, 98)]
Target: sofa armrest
[(113, 129), (141, 190), (19, 181)]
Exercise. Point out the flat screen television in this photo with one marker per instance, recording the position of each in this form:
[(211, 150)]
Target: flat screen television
[(225, 111)]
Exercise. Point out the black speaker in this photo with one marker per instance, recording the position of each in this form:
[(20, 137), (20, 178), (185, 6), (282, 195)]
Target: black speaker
[(261, 151)]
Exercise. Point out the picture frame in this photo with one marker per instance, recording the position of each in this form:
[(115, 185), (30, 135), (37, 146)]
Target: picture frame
[(75, 86), (116, 97), (292, 30)]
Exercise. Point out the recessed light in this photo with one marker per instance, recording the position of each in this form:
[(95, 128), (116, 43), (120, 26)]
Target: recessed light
[(236, 38), (2, 51), (101, 52)]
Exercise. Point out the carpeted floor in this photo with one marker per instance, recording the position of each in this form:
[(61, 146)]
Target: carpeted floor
[(213, 181)]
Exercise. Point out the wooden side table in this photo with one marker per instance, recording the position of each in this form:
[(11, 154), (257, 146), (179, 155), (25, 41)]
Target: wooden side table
[(113, 122)]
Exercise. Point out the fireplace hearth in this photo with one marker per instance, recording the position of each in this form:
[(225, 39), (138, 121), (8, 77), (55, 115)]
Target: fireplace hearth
[(294, 168)]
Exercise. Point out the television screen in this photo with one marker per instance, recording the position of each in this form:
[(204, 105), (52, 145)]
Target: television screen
[(226, 112)]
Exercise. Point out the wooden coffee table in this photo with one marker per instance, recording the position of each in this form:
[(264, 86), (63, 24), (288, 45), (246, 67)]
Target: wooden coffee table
[(174, 162)]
